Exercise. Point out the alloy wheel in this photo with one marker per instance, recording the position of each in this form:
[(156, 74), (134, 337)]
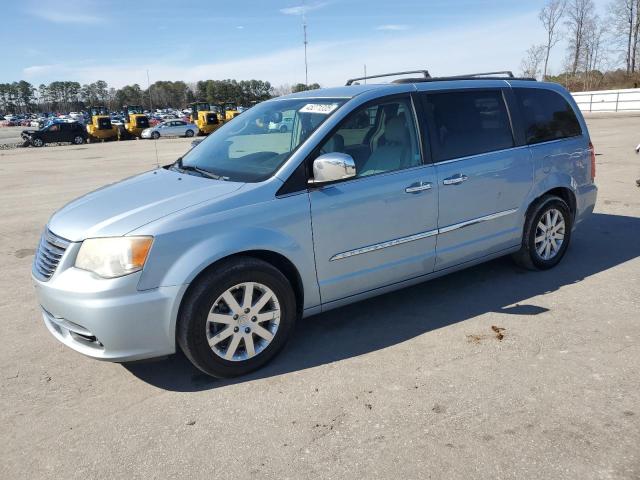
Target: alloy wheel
[(550, 233), (243, 321)]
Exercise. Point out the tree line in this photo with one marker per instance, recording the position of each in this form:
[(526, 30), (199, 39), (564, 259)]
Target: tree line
[(66, 96), (602, 52)]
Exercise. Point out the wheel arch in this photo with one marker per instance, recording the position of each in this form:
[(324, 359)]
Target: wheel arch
[(275, 259), (565, 193)]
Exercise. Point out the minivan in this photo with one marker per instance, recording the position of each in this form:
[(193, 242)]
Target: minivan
[(374, 188)]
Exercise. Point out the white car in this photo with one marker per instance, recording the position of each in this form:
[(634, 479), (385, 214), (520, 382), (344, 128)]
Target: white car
[(283, 127), (171, 128)]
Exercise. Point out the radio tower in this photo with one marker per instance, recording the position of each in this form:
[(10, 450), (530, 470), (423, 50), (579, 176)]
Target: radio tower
[(304, 29)]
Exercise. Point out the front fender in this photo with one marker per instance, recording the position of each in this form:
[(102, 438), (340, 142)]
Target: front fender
[(281, 226)]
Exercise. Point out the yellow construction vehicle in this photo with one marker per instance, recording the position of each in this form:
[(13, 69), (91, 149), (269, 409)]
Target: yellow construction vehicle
[(135, 121), (100, 127), (206, 117), (231, 111)]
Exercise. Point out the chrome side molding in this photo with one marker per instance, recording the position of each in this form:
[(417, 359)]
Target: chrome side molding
[(420, 236)]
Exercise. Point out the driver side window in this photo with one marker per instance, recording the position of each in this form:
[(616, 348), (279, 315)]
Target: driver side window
[(381, 138)]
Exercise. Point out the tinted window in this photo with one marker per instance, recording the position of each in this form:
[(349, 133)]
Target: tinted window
[(468, 123), (547, 116), (380, 138)]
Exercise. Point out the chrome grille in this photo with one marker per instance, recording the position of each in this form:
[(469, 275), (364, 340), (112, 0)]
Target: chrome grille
[(50, 251)]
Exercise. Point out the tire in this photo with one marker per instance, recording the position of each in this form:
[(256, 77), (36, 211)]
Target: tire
[(78, 140), (534, 255), (37, 142), (283, 129), (195, 331), (189, 133), (155, 135)]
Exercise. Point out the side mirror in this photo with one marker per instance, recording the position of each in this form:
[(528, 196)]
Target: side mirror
[(332, 167)]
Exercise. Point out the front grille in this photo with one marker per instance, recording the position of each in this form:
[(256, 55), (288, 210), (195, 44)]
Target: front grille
[(49, 253)]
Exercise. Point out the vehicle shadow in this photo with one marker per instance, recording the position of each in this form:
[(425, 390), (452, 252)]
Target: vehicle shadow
[(602, 242)]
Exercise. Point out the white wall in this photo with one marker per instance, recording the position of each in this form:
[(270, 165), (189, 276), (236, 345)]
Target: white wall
[(609, 100)]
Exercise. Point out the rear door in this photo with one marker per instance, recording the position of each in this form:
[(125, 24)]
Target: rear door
[(483, 177)]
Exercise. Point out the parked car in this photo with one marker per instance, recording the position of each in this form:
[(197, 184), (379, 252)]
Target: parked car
[(283, 127), (55, 132), (172, 128), (221, 252)]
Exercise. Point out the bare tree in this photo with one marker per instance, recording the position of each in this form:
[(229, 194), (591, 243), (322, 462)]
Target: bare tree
[(550, 16), (593, 48), (533, 61), (578, 15), (624, 16)]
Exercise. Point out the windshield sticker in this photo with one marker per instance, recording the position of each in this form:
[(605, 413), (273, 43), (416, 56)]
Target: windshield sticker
[(321, 108)]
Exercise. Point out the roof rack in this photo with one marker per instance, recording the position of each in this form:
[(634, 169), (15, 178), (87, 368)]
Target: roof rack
[(423, 72), (502, 75)]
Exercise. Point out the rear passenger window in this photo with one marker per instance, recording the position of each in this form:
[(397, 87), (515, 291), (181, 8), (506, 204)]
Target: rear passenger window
[(468, 123), (547, 116)]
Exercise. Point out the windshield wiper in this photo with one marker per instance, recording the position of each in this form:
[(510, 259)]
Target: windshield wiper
[(189, 168)]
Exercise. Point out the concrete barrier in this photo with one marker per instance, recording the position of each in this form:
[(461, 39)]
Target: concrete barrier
[(627, 100)]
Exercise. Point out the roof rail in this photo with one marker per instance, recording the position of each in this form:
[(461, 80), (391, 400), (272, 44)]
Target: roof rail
[(502, 75), (507, 73), (423, 72)]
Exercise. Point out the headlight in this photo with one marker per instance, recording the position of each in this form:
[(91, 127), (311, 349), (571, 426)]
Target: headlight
[(113, 257)]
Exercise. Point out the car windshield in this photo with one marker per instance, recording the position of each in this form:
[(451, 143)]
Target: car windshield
[(246, 149)]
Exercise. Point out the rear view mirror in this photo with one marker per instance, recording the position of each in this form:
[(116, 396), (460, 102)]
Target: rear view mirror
[(331, 167)]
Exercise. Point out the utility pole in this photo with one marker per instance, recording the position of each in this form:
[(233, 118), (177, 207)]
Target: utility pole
[(149, 90)]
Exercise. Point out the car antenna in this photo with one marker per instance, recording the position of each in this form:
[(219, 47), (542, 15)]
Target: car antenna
[(155, 140)]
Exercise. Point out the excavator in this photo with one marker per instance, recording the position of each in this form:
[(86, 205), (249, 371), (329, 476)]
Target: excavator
[(208, 118), (135, 121), (100, 127)]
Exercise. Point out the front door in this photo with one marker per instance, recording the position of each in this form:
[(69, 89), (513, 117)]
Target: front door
[(483, 178), (380, 227)]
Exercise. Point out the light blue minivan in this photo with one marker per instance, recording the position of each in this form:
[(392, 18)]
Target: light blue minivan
[(372, 189)]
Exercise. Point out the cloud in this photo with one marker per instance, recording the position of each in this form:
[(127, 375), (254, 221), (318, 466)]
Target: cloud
[(59, 17), (302, 9), (393, 27), (448, 50)]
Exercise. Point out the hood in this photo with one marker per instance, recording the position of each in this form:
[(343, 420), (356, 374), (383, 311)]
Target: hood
[(117, 209), (29, 132)]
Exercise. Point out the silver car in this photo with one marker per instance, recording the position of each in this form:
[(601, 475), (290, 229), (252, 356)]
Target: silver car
[(171, 128), (374, 188)]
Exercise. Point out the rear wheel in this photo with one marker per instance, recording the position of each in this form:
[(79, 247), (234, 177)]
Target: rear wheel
[(189, 133), (547, 234), (236, 318), (78, 140)]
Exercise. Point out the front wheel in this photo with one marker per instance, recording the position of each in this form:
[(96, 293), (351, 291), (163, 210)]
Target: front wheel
[(283, 129), (155, 135), (236, 317), (188, 133), (37, 142), (547, 234)]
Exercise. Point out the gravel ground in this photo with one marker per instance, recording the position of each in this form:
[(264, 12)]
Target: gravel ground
[(414, 384)]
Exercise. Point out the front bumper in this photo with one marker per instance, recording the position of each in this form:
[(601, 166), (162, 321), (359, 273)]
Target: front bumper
[(145, 134), (109, 319)]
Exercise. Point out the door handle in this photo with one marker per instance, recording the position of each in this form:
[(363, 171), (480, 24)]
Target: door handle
[(457, 179), (418, 187)]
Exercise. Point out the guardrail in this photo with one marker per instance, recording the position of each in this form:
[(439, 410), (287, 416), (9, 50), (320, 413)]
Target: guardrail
[(627, 100)]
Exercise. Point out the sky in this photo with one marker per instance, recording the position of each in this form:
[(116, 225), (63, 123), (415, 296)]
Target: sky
[(118, 41)]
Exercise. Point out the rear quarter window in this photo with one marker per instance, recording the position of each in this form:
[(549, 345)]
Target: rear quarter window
[(547, 115)]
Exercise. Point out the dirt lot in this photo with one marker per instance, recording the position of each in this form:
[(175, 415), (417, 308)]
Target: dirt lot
[(414, 384)]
